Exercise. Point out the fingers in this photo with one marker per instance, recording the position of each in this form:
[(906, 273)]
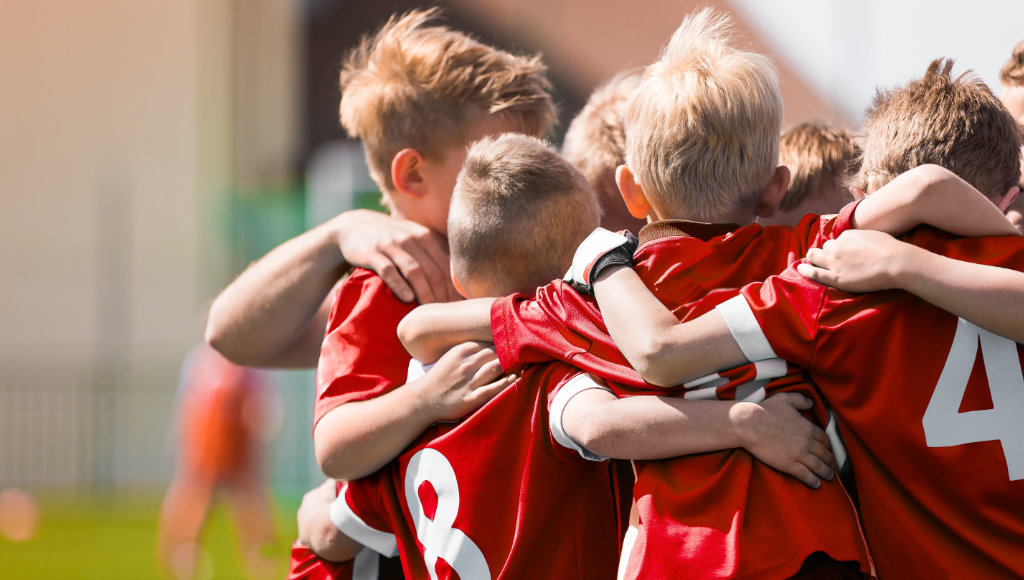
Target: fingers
[(480, 396), (805, 475), (388, 271), (425, 266), (795, 400)]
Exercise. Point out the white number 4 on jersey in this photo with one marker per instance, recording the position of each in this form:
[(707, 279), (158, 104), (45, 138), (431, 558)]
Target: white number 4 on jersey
[(946, 426)]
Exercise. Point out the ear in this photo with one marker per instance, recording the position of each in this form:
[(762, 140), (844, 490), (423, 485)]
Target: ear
[(632, 193), (406, 172), (458, 286), (1008, 199), (773, 192)]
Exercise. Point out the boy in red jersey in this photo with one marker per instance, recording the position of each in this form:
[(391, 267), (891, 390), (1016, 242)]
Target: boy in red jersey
[(723, 514), (503, 493), (929, 403), (416, 94)]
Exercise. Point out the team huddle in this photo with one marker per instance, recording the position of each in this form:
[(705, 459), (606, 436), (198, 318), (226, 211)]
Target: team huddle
[(800, 369)]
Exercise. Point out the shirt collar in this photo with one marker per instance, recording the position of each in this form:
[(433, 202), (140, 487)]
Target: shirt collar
[(668, 228)]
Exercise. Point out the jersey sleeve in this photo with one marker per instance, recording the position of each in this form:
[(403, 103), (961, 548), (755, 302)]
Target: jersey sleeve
[(776, 318), (361, 357), (557, 324), (812, 231), (357, 514), (558, 399)]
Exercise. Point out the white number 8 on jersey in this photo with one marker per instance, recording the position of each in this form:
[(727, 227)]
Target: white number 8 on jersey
[(439, 537), (944, 424)]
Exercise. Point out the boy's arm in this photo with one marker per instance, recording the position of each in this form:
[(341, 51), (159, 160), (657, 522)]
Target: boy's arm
[(318, 532), (865, 261), (275, 312), (429, 331), (359, 437), (649, 427), (664, 351), (932, 195)]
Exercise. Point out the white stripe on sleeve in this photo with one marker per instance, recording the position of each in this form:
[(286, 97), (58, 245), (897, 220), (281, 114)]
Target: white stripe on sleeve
[(576, 385), (744, 328), (354, 527)]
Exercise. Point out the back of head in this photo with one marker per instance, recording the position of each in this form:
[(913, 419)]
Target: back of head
[(702, 130), (596, 142), (518, 212), (953, 122), (821, 159), (420, 85), (1012, 74)]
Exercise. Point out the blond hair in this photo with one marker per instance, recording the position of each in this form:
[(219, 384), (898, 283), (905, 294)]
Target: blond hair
[(1012, 73), (820, 158), (518, 212), (953, 122), (595, 141), (702, 130), (421, 86)]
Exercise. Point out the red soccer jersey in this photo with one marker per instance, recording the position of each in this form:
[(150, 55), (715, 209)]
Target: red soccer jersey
[(494, 496), (930, 407), (713, 515), (361, 357)]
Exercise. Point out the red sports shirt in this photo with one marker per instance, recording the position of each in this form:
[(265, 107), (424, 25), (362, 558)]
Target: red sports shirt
[(361, 357), (713, 515), (494, 496), (931, 408)]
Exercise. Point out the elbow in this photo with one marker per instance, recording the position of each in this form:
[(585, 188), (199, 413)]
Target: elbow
[(333, 462), (651, 360), (218, 336)]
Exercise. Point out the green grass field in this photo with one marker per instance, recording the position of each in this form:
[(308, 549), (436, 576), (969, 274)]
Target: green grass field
[(115, 539)]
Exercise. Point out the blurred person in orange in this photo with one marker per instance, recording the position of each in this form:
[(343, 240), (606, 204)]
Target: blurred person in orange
[(224, 424), (1012, 78)]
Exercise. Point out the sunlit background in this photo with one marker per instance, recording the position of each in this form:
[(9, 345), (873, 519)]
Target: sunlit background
[(149, 150)]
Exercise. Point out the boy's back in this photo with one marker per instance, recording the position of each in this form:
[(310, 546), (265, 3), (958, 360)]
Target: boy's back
[(497, 495), (930, 408)]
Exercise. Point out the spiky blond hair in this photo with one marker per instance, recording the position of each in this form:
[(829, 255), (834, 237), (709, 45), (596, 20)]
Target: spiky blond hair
[(702, 130), (419, 85)]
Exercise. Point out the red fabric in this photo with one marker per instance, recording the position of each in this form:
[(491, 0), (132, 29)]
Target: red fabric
[(928, 510), (305, 565), (529, 506), (361, 357), (713, 515)]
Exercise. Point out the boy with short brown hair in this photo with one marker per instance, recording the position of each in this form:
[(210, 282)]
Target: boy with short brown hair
[(821, 159)]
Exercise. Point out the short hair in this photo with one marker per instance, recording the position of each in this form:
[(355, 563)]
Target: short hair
[(595, 141), (421, 86), (1012, 73), (702, 130), (819, 156), (953, 122), (518, 212)]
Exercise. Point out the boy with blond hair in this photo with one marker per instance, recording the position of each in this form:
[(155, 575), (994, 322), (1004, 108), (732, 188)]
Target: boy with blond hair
[(929, 403), (718, 514), (821, 159), (595, 142), (416, 94)]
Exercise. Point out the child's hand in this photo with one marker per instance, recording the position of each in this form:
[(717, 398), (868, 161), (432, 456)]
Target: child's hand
[(858, 261), (598, 251), (778, 435), (316, 531), (462, 380), (410, 258)]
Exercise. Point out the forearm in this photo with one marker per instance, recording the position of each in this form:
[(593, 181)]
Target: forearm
[(355, 439), (649, 427), (932, 195), (664, 351), (430, 330), (987, 296), (318, 532), (274, 313)]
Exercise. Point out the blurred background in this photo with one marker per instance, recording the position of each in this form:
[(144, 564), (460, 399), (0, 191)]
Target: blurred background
[(150, 150)]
